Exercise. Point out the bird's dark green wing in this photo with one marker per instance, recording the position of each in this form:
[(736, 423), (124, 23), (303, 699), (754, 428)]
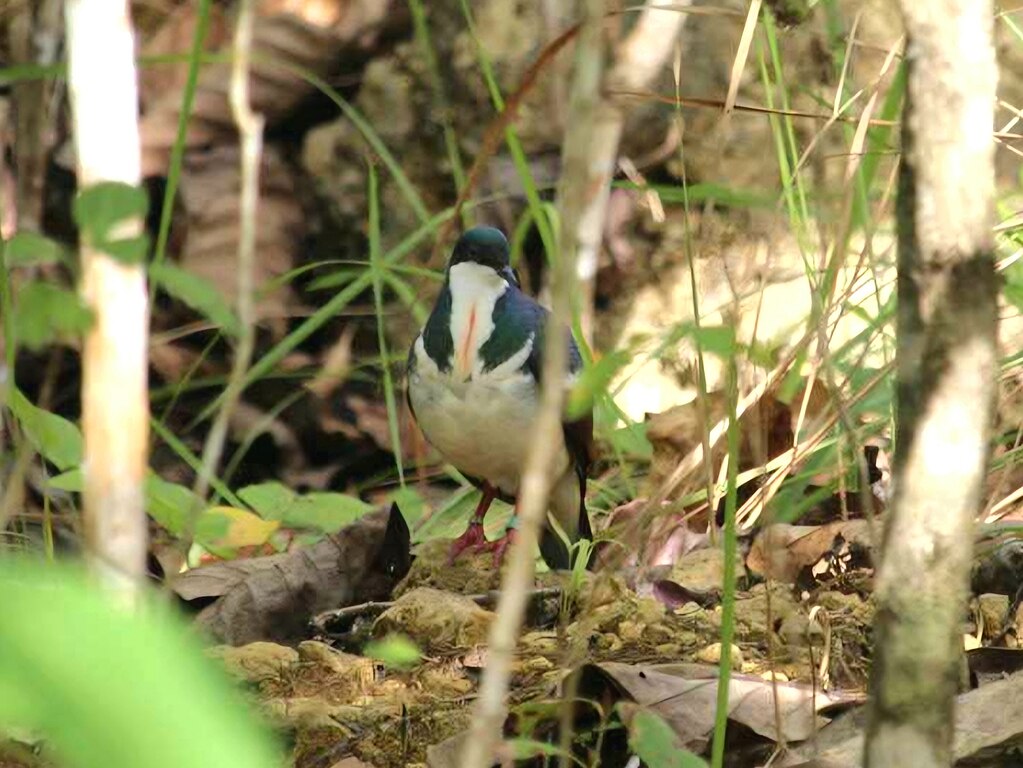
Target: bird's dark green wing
[(531, 320)]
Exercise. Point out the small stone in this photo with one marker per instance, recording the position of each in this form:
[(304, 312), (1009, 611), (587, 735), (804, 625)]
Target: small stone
[(356, 669), (540, 643), (993, 609), (439, 622), (443, 682), (305, 712), (631, 631), (537, 664), (702, 570), (712, 655), (650, 610), (609, 642), (256, 661), (660, 633)]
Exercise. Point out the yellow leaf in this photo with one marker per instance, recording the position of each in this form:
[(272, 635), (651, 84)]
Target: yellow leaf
[(231, 528)]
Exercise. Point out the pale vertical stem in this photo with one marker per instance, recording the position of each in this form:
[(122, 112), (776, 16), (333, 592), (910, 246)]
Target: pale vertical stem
[(115, 411), (250, 130), (946, 373), (636, 62), (575, 193)]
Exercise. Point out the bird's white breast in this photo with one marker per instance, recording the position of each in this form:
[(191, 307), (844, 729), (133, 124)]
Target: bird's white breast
[(482, 426), (480, 420), (475, 290)]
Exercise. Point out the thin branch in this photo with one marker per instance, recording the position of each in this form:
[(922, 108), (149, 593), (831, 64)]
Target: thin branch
[(250, 129), (638, 59), (581, 183)]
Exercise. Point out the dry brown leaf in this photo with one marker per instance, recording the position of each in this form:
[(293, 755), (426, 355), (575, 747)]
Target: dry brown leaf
[(685, 696), (670, 537), (209, 192), (273, 598), (767, 430), (782, 551), (988, 728)]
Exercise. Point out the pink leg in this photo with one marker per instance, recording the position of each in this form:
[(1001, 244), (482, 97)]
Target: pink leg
[(473, 538), (500, 546)]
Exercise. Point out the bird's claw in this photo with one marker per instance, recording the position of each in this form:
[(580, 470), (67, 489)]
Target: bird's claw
[(473, 539), (499, 546)]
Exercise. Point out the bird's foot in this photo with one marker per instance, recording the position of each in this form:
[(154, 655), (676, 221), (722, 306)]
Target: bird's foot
[(500, 546), (473, 539)]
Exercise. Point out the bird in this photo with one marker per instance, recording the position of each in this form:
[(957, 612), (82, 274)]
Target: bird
[(473, 386)]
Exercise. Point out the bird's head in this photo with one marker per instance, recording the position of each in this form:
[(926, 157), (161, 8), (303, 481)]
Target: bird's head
[(487, 247)]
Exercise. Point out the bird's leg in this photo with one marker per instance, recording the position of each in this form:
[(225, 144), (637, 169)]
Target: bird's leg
[(474, 538), (500, 546)]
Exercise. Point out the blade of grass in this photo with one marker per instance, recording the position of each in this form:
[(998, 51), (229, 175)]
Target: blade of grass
[(408, 297), (250, 130), (728, 588), (202, 26), (422, 32), (378, 272), (321, 316), (194, 463), (770, 32), (512, 140)]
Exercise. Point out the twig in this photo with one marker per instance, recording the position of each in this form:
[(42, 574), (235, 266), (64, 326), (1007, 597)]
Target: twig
[(250, 129), (637, 61), (115, 410), (321, 621), (579, 185)]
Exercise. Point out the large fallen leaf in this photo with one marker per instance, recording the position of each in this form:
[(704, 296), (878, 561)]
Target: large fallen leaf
[(273, 598), (988, 729), (685, 697)]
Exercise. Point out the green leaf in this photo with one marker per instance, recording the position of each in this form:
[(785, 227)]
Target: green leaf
[(128, 250), (30, 249), (163, 704), (337, 279), (169, 504), (394, 650), (594, 380), (529, 749), (717, 339), (210, 530), (55, 438), (631, 440), (326, 512), (656, 744), (198, 293), (102, 211), (1014, 294), (410, 502), (44, 313), (226, 529), (267, 498), (71, 481)]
